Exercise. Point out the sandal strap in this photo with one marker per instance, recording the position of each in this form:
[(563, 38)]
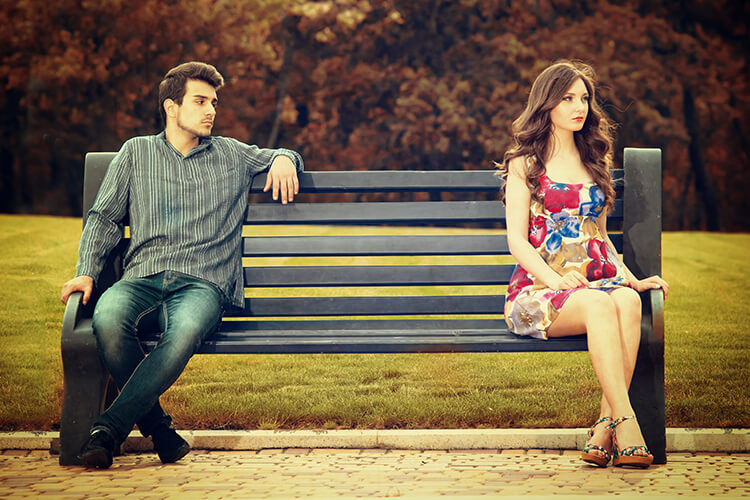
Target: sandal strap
[(590, 447), (620, 420), (603, 419), (630, 451)]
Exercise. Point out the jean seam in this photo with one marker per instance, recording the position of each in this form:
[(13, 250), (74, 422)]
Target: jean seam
[(144, 313)]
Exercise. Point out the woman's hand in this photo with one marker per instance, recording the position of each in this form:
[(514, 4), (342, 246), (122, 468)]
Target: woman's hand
[(650, 283), (571, 279)]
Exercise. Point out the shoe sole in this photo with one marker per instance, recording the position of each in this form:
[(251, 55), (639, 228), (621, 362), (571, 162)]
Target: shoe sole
[(96, 458), (594, 460), (641, 464), (181, 452)]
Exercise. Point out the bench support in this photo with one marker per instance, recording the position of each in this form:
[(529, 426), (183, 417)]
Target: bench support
[(642, 254), (85, 379)]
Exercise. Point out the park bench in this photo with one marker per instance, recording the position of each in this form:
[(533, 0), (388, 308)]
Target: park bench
[(357, 319)]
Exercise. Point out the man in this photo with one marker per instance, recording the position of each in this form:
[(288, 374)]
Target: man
[(185, 193)]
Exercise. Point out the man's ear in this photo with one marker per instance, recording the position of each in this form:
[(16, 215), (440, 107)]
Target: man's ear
[(170, 107)]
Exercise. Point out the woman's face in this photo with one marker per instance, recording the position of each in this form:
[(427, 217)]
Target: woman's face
[(570, 114)]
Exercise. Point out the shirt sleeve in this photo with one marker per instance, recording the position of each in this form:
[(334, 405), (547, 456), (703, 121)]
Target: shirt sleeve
[(260, 159), (104, 224)]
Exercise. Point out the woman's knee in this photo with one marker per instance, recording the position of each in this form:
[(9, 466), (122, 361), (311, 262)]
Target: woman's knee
[(628, 304), (599, 305)]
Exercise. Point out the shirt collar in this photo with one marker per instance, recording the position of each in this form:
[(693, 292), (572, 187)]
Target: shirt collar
[(203, 143)]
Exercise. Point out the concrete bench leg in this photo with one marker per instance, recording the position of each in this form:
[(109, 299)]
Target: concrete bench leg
[(647, 387), (85, 384)]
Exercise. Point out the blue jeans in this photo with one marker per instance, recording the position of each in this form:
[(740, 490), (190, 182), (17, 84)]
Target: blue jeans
[(188, 310)]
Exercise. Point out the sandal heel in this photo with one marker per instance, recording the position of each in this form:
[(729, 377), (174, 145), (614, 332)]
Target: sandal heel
[(626, 457), (595, 459)]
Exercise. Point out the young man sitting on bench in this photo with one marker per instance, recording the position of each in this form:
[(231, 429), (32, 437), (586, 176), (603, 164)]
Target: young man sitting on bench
[(184, 193)]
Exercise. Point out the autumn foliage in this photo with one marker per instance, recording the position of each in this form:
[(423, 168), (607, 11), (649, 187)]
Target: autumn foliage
[(378, 84)]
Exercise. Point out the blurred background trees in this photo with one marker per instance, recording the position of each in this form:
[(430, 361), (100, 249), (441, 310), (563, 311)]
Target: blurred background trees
[(377, 84)]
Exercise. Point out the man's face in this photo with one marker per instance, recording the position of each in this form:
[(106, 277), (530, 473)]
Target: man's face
[(198, 109)]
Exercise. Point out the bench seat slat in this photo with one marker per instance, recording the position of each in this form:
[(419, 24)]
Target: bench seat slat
[(366, 306), (242, 326), (310, 276), (387, 344)]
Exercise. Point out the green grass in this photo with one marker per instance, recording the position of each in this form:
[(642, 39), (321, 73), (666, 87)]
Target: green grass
[(706, 358)]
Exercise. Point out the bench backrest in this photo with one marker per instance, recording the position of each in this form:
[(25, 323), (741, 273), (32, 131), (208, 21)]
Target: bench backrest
[(343, 254)]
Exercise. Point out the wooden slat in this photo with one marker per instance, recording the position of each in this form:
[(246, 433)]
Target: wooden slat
[(421, 213), (298, 246), (375, 213), (302, 276), (399, 181), (392, 181), (335, 246), (237, 326), (366, 306), (388, 342)]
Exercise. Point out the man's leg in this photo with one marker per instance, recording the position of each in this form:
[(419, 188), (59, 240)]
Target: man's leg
[(192, 310), (115, 317)]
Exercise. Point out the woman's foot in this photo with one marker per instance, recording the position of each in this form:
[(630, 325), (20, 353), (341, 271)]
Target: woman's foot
[(629, 448), (598, 448)]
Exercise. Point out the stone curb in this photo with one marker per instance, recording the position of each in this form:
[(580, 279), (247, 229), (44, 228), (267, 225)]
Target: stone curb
[(678, 439)]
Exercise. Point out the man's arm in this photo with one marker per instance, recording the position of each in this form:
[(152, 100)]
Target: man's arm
[(282, 165), (103, 228)]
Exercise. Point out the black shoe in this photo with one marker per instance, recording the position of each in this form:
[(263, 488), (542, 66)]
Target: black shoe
[(169, 445), (98, 450)]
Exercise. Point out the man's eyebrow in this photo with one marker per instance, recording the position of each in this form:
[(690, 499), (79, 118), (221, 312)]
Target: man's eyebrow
[(199, 96)]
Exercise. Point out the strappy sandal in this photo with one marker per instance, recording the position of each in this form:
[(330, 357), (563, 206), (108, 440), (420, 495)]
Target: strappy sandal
[(627, 456), (592, 458)]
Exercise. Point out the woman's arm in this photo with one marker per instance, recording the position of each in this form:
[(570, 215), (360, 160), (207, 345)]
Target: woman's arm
[(638, 285), (517, 203)]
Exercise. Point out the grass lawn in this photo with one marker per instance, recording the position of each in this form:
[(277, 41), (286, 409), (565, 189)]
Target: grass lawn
[(707, 370)]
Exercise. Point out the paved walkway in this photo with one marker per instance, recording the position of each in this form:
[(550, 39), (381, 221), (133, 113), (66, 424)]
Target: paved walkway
[(370, 473)]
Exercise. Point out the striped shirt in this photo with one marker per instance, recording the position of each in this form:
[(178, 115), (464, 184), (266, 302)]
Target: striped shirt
[(185, 213)]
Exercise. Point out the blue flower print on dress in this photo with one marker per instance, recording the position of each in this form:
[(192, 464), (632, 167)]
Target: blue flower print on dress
[(594, 207), (561, 225)]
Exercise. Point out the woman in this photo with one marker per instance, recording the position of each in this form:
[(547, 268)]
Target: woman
[(569, 279)]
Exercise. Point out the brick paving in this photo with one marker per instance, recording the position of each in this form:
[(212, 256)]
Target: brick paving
[(370, 473)]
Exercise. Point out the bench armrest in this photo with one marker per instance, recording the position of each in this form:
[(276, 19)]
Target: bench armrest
[(656, 304), (74, 311)]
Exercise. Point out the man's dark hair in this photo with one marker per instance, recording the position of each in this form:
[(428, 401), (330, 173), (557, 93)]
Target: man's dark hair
[(173, 84)]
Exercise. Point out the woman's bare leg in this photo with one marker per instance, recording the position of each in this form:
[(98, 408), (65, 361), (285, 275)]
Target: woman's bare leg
[(595, 313)]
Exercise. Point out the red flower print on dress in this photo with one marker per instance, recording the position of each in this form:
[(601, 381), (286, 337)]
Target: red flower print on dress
[(518, 281), (600, 267), (537, 230), (559, 196)]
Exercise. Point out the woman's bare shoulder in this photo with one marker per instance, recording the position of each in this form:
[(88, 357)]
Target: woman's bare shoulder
[(518, 167)]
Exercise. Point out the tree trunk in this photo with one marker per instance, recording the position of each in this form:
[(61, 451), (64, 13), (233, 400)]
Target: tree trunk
[(287, 47), (703, 185)]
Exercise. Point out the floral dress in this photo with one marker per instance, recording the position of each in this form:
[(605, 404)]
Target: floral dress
[(564, 231)]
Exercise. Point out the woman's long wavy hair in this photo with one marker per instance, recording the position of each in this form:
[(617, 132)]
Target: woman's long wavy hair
[(532, 131)]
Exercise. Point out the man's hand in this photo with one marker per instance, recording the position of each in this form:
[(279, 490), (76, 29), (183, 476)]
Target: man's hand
[(282, 176), (82, 283)]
